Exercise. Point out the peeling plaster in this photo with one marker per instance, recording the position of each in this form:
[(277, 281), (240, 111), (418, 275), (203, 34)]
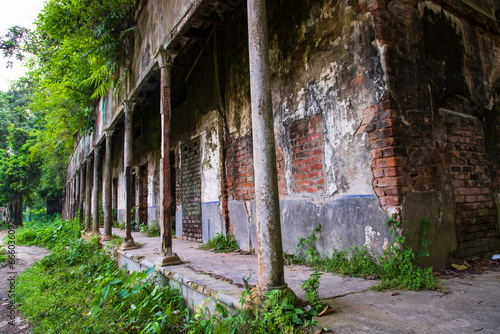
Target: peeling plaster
[(370, 236)]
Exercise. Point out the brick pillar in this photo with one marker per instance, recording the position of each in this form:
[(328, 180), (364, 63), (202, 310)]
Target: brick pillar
[(269, 244), (128, 242), (106, 196), (165, 61)]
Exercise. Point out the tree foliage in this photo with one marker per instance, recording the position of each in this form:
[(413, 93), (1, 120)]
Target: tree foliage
[(76, 54), (19, 172), (14, 43)]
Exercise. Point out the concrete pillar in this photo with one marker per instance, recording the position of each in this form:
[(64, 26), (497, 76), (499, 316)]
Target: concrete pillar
[(165, 61), (88, 194), (106, 191), (82, 192), (75, 195), (128, 242), (77, 192), (95, 194), (269, 245)]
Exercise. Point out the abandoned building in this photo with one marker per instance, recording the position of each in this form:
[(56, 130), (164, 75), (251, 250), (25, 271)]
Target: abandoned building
[(378, 107)]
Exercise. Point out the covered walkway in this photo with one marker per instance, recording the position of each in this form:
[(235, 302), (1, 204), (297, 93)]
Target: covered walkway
[(468, 303)]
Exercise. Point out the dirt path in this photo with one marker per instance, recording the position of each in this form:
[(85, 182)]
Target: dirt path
[(24, 258)]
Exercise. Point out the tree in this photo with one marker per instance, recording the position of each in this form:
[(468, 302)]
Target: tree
[(14, 43), (76, 54), (19, 173)]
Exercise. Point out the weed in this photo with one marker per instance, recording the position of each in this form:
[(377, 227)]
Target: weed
[(78, 289), (398, 263), (354, 261), (312, 255), (311, 287), (151, 230), (50, 233), (3, 255), (396, 268), (4, 225), (221, 244)]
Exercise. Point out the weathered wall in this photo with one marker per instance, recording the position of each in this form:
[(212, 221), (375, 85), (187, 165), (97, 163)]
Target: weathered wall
[(326, 72), (427, 136), (380, 107), (145, 154)]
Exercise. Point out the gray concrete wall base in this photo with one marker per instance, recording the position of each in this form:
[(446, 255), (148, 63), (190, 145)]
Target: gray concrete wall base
[(211, 221), (153, 215), (241, 214), (120, 215), (198, 290), (178, 222), (345, 222)]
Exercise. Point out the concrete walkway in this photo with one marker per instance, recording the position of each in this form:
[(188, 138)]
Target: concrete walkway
[(470, 304)]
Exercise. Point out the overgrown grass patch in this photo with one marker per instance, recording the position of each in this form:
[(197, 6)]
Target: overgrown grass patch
[(151, 230), (3, 254), (51, 233), (221, 244), (396, 268), (79, 289)]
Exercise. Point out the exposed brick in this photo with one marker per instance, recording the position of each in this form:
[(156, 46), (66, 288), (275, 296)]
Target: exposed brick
[(307, 157)]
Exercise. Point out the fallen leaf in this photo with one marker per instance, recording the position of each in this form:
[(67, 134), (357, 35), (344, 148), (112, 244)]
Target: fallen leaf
[(291, 269), (459, 267), (326, 310)]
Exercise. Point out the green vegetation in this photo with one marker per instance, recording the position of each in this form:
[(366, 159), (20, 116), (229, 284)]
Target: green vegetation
[(3, 254), (151, 230), (78, 289), (3, 225), (221, 244), (19, 171), (54, 234), (396, 268), (77, 53)]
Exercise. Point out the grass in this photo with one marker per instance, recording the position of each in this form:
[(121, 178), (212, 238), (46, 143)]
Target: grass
[(3, 254), (396, 268), (4, 225), (221, 244), (78, 289), (151, 230)]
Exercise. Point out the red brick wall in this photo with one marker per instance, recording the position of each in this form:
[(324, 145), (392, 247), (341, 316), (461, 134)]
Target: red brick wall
[(386, 148), (240, 166), (475, 210), (240, 174), (406, 144), (306, 138)]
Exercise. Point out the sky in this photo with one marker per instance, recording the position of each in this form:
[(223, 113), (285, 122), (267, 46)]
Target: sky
[(22, 13)]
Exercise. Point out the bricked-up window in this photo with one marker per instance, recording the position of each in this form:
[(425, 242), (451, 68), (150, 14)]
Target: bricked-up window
[(306, 138), (243, 169), (191, 190), (240, 177)]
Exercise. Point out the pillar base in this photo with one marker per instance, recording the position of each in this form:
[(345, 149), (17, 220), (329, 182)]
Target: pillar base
[(167, 260), (128, 244), (85, 235), (107, 237)]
